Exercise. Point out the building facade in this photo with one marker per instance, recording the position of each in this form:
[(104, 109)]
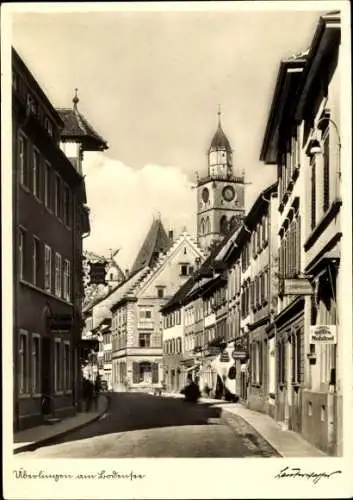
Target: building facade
[(302, 138), (50, 218)]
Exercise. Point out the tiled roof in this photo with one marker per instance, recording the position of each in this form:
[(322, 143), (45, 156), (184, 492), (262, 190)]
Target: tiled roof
[(156, 242), (77, 127)]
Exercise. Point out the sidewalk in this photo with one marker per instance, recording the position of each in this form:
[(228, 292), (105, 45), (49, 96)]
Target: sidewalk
[(287, 443), (43, 434)]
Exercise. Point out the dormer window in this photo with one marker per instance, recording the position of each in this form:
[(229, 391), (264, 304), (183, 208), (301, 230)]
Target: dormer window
[(48, 126), (32, 107)]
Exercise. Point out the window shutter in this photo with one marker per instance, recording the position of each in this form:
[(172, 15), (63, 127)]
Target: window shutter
[(135, 372), (313, 194), (326, 179), (297, 246)]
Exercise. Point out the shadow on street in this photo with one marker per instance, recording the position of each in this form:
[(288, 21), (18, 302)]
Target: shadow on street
[(137, 411)]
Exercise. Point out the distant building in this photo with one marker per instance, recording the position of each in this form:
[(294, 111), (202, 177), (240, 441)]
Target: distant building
[(161, 266), (50, 218)]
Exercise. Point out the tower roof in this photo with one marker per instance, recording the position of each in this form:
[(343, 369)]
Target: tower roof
[(155, 242), (76, 127), (220, 140)]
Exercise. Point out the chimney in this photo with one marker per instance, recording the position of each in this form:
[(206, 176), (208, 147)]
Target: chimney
[(170, 235)]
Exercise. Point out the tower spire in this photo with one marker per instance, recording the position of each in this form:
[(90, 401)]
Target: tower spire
[(219, 113)]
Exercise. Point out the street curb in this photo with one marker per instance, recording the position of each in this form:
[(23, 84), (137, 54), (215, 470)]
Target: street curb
[(280, 455), (55, 437)]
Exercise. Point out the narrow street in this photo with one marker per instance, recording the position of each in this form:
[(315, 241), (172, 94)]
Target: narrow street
[(142, 425)]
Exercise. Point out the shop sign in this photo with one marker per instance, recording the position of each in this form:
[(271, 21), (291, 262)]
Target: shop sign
[(239, 355), (296, 286), (224, 357), (323, 334)]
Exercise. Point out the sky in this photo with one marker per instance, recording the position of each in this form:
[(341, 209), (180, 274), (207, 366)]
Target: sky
[(150, 83)]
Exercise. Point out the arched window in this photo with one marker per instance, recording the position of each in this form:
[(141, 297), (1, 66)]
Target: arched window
[(202, 226), (223, 224), (208, 225), (232, 222)]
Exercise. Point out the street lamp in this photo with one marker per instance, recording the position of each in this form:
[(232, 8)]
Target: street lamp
[(316, 144)]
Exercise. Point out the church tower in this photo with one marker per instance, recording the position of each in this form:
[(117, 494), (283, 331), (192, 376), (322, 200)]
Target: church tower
[(220, 194)]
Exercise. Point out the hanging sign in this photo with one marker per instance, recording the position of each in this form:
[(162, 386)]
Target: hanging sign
[(296, 286), (323, 334), (239, 355)]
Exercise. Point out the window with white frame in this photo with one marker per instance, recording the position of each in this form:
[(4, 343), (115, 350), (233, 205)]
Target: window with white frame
[(21, 245), (36, 261), (36, 173), (23, 160), (145, 314), (67, 206), (67, 366), (57, 275), (23, 362), (47, 268), (58, 202), (47, 186), (35, 364), (67, 280)]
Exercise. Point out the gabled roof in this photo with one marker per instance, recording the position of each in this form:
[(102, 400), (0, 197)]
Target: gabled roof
[(205, 275), (125, 289), (77, 128), (156, 242)]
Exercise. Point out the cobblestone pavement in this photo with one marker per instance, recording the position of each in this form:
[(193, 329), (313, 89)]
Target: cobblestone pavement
[(142, 425)]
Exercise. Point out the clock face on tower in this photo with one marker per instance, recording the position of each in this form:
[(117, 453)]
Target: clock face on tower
[(228, 193), (205, 195)]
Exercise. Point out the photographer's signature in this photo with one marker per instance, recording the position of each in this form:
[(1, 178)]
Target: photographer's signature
[(297, 472)]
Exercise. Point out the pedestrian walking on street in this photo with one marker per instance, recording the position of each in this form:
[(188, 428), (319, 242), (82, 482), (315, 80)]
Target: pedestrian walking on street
[(88, 389)]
